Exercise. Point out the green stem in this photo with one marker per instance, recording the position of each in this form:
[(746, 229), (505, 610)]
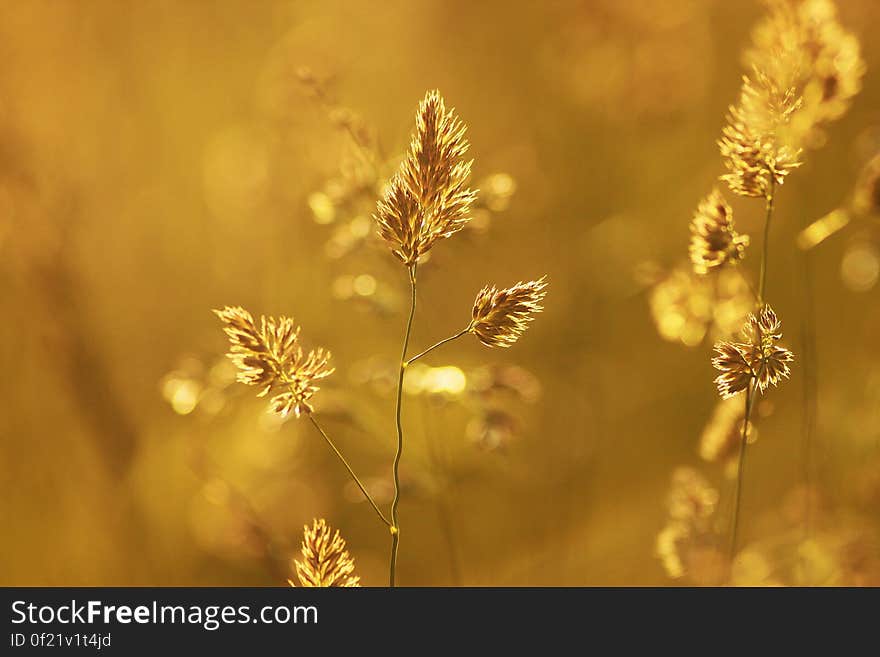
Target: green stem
[(395, 526), (439, 344), (348, 467)]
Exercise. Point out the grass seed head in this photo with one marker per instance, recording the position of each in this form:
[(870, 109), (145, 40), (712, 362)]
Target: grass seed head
[(714, 242), (428, 198), (325, 561), (270, 356), (500, 317)]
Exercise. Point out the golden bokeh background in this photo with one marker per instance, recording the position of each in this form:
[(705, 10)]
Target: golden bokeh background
[(160, 159)]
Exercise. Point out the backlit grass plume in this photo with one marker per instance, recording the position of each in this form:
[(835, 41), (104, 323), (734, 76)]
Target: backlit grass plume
[(501, 316), (270, 357), (757, 360), (714, 242), (428, 199), (325, 560), (804, 41), (804, 69), (755, 145)]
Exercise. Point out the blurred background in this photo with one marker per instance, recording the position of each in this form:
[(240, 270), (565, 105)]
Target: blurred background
[(160, 159)]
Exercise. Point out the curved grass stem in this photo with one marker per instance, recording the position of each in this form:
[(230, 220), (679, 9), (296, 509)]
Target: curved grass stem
[(739, 472), (395, 525), (752, 389), (762, 279), (439, 344), (350, 471)]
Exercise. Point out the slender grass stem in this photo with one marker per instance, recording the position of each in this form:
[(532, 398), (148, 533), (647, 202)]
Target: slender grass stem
[(739, 472), (350, 471), (762, 279), (439, 344), (752, 389), (395, 525)]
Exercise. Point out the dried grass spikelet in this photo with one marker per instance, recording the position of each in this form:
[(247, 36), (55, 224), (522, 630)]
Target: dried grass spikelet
[(759, 358), (428, 198), (714, 242), (756, 144), (500, 317), (836, 62), (821, 56), (326, 562), (270, 356)]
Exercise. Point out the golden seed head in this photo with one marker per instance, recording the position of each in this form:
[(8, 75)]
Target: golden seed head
[(806, 68), (400, 221), (714, 241), (804, 40), (501, 316), (428, 198), (326, 562), (270, 356), (757, 359), (755, 144), (734, 364)]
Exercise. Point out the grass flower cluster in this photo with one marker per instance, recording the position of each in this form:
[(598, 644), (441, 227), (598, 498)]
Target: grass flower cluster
[(426, 200), (804, 69)]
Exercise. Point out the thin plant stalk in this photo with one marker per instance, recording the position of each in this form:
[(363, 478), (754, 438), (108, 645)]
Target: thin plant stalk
[(395, 525), (751, 390), (350, 471), (739, 472), (762, 279), (404, 363), (461, 333)]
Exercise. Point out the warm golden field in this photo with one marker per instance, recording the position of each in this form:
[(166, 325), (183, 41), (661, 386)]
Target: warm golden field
[(162, 159)]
